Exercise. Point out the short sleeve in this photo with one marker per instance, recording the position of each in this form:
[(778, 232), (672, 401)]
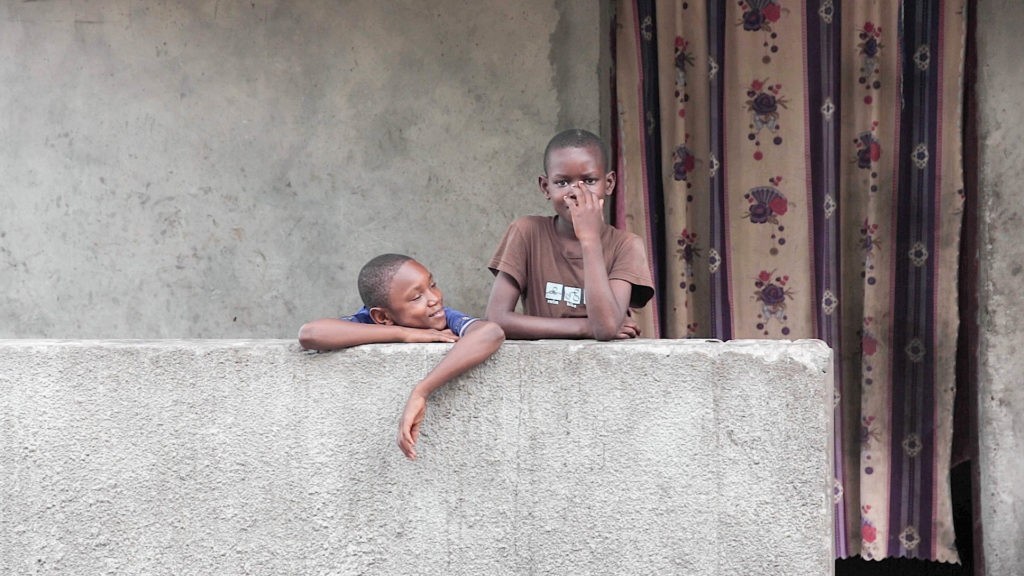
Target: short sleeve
[(457, 321), (511, 254), (360, 317), (631, 265)]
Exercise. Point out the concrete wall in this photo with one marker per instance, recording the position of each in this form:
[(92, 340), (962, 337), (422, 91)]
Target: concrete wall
[(1001, 390), (222, 168), (251, 457)]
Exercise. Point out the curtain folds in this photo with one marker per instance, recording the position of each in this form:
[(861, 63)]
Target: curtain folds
[(795, 170)]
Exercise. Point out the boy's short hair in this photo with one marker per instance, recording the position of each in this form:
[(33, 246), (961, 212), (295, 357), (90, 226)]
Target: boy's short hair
[(576, 138), (376, 276)]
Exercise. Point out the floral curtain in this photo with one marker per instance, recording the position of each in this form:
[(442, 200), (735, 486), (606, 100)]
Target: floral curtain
[(795, 169)]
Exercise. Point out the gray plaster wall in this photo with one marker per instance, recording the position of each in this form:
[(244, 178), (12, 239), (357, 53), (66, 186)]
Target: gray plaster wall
[(252, 457), (1001, 379), (222, 168)]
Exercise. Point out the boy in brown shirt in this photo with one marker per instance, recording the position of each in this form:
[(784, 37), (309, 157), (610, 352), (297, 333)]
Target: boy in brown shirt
[(576, 275)]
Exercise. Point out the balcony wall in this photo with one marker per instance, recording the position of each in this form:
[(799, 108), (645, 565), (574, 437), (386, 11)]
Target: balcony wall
[(554, 457)]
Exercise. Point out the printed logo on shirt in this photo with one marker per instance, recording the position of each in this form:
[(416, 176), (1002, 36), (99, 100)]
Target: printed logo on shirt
[(556, 293), (573, 296), (553, 293)]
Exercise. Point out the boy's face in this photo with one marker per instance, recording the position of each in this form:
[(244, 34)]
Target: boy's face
[(569, 170), (414, 300)]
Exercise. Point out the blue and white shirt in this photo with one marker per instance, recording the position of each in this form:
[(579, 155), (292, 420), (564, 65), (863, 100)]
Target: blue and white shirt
[(457, 321)]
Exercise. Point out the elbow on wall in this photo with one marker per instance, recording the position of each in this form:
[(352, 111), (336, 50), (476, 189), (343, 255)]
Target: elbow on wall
[(307, 337), (493, 333)]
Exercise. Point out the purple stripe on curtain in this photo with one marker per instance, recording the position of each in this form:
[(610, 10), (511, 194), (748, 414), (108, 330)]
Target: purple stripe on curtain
[(645, 160), (651, 99), (897, 401), (913, 409), (719, 295), (823, 104), (936, 82)]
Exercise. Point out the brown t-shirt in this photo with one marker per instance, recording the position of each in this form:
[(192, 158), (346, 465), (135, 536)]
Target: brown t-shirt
[(549, 269)]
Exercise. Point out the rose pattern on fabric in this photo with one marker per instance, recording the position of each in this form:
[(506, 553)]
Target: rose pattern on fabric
[(771, 292), (867, 155), (869, 150), (869, 48), (868, 344), (765, 205), (869, 244), (761, 16), (688, 251), (868, 348), (683, 60), (764, 101), (683, 163), (868, 534)]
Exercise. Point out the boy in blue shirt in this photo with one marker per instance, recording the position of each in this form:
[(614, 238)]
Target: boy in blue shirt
[(402, 303)]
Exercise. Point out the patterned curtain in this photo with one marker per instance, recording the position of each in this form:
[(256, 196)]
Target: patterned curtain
[(795, 169)]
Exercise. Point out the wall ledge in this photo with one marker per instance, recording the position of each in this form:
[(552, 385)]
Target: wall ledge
[(254, 457)]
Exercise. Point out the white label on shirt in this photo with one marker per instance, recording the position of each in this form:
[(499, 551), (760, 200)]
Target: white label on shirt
[(573, 296), (553, 293), (556, 293)]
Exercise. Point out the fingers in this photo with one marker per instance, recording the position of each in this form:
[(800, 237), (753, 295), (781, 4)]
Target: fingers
[(584, 201), (430, 335), (406, 442), (586, 197), (409, 425), (629, 328), (407, 437)]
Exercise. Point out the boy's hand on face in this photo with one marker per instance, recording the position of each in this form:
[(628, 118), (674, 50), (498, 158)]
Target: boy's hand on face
[(587, 212), (428, 335), (409, 425)]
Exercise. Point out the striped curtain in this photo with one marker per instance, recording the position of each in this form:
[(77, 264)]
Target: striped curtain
[(795, 169)]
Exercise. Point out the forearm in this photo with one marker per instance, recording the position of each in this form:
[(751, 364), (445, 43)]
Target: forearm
[(522, 327), (604, 313), (333, 334), (478, 343)]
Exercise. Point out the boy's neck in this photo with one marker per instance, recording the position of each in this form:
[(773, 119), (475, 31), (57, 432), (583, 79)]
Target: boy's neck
[(564, 228)]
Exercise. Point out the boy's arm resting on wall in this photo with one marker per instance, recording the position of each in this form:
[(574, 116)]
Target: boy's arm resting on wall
[(479, 340), (501, 308), (607, 300), (502, 304), (333, 334)]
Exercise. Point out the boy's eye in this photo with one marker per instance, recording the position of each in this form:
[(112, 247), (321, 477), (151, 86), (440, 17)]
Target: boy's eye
[(590, 181), (561, 183)]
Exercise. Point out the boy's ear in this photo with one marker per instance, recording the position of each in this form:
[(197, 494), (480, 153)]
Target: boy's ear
[(609, 181), (542, 182), (380, 316)]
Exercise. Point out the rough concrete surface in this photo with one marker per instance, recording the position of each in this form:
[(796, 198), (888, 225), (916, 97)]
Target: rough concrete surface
[(252, 457), (214, 168), (1001, 268)]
